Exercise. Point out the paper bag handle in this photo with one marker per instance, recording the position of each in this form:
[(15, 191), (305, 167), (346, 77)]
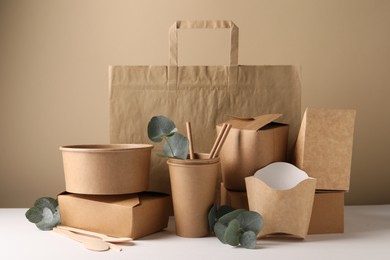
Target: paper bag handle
[(206, 24)]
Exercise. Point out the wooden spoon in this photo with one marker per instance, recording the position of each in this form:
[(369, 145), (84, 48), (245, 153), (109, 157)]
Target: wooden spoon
[(95, 234), (90, 243)]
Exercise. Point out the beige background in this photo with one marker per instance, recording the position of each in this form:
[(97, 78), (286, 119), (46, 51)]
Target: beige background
[(54, 81)]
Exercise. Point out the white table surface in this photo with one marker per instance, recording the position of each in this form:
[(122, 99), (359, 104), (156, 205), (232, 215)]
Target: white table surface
[(367, 236)]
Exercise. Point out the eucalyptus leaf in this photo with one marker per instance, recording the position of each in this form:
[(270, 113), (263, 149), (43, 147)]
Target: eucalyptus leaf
[(160, 127), (223, 210), (176, 146), (46, 202), (219, 230), (248, 239), (225, 219), (212, 217), (250, 221), (233, 233), (34, 214), (49, 219)]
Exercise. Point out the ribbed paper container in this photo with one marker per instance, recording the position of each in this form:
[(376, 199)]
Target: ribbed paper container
[(106, 168)]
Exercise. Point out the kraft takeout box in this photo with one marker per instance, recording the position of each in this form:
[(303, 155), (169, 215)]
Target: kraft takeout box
[(235, 199), (252, 143), (324, 147), (328, 213), (130, 215), (106, 168), (283, 195)]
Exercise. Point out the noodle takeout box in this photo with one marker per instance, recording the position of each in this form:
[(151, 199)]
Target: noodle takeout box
[(129, 215)]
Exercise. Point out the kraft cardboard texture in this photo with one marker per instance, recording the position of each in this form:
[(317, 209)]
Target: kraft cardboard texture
[(328, 213), (193, 194), (131, 215), (251, 145), (106, 169), (235, 199), (324, 147), (202, 95), (286, 209)]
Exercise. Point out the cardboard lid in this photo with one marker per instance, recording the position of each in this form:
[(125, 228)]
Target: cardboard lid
[(252, 123), (127, 200)]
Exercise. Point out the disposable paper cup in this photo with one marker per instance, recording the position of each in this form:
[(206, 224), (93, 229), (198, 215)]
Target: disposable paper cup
[(193, 185), (106, 169)]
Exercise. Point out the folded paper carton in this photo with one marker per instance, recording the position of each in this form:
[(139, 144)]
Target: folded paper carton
[(130, 215), (235, 199), (324, 147), (284, 196), (328, 213), (252, 143)]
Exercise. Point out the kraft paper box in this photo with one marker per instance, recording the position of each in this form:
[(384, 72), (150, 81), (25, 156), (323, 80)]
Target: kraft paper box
[(328, 213), (283, 195), (130, 215), (252, 143), (235, 199), (324, 147)]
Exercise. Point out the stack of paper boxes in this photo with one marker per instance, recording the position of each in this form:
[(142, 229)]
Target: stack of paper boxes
[(106, 191), (323, 150), (252, 144)]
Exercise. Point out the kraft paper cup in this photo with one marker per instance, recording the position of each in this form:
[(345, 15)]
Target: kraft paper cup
[(284, 196), (106, 168), (193, 184)]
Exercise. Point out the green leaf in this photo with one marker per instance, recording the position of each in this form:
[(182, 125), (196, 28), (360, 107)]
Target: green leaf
[(223, 210), (233, 233), (49, 219), (46, 202), (34, 214), (212, 217), (248, 239), (176, 146), (219, 230), (250, 221), (160, 127), (225, 219)]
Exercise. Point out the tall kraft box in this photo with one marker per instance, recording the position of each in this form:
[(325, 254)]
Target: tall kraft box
[(235, 199), (251, 144), (324, 147), (130, 215), (328, 213)]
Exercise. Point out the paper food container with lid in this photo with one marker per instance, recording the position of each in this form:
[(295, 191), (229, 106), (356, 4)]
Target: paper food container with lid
[(129, 215), (252, 143), (106, 169)]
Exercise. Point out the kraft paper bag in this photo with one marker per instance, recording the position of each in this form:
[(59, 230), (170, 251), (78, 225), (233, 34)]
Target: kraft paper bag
[(202, 95)]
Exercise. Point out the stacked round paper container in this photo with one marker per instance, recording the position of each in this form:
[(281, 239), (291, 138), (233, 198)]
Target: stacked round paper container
[(105, 184)]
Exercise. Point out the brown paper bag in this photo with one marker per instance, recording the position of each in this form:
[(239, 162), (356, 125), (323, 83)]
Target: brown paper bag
[(203, 95)]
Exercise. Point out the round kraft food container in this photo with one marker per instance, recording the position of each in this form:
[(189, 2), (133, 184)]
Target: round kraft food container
[(106, 168)]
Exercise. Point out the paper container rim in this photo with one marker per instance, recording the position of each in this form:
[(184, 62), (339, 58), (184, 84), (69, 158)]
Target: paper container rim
[(193, 162), (282, 190), (104, 147), (175, 161)]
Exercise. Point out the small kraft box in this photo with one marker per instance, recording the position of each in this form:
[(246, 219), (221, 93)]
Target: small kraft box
[(251, 144), (324, 147), (328, 213), (235, 199), (131, 215)]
